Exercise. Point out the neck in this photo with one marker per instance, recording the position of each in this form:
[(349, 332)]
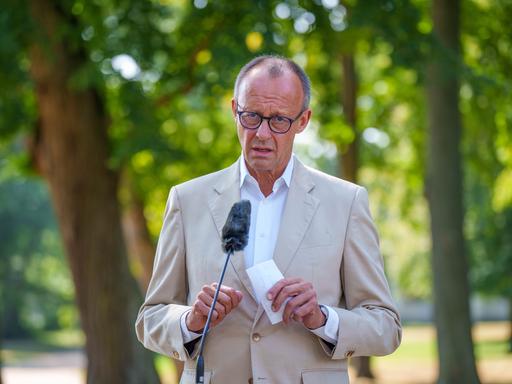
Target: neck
[(265, 179)]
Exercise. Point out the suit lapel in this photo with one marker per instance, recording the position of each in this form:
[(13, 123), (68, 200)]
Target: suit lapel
[(225, 193), (298, 212)]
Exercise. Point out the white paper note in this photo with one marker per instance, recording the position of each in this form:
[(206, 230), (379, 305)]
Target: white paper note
[(263, 276)]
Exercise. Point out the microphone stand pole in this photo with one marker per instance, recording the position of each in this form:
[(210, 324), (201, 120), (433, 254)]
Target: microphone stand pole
[(200, 360)]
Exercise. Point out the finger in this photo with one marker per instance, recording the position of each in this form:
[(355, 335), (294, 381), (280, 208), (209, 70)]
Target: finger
[(307, 308), (276, 288), (208, 300), (210, 289), (224, 295), (220, 309), (200, 309), (291, 290), (234, 295), (294, 304), (226, 301)]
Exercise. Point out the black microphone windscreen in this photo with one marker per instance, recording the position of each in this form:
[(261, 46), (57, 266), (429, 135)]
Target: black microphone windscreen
[(235, 232)]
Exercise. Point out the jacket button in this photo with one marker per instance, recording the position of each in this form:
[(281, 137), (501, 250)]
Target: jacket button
[(176, 355), (250, 380), (256, 337)]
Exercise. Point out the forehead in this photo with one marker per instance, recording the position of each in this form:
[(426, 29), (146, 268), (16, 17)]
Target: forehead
[(260, 89)]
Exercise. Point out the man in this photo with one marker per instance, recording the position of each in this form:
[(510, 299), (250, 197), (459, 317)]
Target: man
[(316, 228)]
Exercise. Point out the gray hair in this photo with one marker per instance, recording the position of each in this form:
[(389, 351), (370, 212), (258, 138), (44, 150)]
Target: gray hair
[(276, 65)]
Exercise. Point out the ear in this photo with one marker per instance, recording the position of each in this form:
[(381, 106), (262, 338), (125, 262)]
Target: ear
[(233, 107), (303, 121)]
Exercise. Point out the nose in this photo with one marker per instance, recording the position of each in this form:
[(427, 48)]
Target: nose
[(263, 131)]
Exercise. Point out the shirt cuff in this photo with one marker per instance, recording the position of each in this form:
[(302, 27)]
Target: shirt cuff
[(188, 336), (328, 331)]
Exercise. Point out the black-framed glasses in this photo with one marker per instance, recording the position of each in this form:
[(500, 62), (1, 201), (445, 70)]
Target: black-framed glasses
[(278, 124)]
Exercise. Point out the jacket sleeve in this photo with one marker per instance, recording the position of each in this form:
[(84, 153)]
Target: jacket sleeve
[(369, 323), (158, 322)]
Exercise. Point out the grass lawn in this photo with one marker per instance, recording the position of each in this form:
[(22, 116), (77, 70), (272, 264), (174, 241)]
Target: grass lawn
[(415, 362)]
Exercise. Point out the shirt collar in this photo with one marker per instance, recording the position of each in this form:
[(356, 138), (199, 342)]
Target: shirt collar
[(286, 176)]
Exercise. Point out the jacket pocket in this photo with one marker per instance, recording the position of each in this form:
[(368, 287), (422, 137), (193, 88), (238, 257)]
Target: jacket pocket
[(189, 376), (325, 376)]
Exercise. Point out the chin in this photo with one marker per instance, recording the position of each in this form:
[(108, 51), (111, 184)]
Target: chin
[(260, 166)]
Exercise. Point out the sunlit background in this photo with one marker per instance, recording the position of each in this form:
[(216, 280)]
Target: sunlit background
[(162, 72)]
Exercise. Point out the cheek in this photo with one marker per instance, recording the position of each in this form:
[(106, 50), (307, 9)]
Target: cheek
[(285, 144), (242, 135), (245, 136)]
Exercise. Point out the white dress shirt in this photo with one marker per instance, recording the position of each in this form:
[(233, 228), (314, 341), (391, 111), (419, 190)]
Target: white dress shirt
[(266, 213)]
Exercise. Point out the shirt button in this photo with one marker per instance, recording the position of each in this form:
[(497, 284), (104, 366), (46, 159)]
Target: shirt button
[(256, 337), (350, 353), (176, 355)]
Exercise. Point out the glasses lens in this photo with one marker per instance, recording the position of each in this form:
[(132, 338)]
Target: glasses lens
[(280, 123), (250, 119)]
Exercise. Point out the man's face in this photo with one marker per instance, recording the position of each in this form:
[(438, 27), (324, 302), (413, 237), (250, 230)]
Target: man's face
[(264, 150)]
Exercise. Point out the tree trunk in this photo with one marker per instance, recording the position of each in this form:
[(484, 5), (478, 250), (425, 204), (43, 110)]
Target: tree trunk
[(73, 155), (141, 250), (444, 192), (363, 367), (348, 160)]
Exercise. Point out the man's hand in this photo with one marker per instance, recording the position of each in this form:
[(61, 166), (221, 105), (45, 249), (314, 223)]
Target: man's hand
[(227, 300), (302, 306)]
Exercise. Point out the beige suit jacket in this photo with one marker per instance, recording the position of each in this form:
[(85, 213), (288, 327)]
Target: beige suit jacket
[(327, 237)]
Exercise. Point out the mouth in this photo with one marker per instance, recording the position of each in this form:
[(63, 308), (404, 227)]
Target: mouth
[(262, 150)]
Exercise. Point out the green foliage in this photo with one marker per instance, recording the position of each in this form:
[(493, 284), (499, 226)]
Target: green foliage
[(35, 285), (17, 101), (168, 105), (486, 97)]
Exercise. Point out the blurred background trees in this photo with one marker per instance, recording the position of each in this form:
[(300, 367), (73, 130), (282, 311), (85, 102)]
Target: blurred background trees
[(444, 191), (112, 102)]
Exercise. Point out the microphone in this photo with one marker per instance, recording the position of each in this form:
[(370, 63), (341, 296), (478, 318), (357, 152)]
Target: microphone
[(235, 234)]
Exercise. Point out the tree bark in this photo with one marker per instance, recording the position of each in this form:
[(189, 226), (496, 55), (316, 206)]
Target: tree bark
[(141, 250), (348, 160), (444, 193), (73, 154)]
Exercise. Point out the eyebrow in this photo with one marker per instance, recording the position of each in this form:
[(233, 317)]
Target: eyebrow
[(244, 109)]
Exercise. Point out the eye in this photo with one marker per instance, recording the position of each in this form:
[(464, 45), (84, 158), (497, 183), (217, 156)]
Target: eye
[(280, 119)]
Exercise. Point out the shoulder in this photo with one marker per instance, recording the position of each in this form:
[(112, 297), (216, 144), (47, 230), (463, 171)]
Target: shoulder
[(337, 196), (333, 184), (203, 185), (333, 193)]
